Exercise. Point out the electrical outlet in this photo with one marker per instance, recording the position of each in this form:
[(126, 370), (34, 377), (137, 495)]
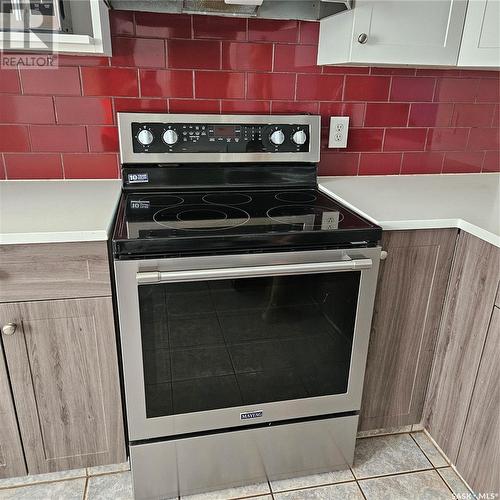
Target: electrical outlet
[(339, 128)]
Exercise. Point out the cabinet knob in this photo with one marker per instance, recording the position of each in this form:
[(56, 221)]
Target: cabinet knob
[(362, 38), (383, 255), (9, 329)]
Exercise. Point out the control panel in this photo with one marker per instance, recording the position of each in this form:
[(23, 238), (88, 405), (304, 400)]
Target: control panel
[(157, 137)]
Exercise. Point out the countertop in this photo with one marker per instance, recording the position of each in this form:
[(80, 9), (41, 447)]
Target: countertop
[(56, 211), (465, 201)]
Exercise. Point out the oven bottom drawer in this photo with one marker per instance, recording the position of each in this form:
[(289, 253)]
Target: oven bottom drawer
[(166, 469)]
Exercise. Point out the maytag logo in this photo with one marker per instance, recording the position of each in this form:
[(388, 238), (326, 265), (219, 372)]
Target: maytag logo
[(250, 414)]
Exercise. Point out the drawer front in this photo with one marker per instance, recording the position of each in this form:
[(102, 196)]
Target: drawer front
[(54, 271)]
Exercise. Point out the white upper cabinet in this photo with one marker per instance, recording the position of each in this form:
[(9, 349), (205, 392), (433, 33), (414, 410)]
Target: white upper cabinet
[(394, 32), (481, 37)]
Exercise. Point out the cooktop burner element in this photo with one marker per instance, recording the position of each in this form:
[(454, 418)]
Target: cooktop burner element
[(201, 217), (227, 198)]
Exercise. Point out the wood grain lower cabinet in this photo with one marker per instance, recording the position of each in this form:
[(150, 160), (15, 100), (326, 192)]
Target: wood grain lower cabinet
[(11, 450), (410, 295), (466, 318), (63, 368), (479, 454)]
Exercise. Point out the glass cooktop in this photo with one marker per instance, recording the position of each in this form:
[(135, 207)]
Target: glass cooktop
[(203, 217)]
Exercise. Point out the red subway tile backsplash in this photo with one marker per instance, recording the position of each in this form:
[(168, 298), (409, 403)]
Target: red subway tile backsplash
[(90, 166), (272, 30), (386, 114), (456, 90), (132, 105), (214, 85), (9, 81), (157, 25), (166, 83), (102, 139), (58, 138), (410, 89), (422, 163), (366, 88), (379, 163), (405, 139), (26, 109), (462, 162), (270, 86), (246, 106), (485, 139), (247, 56), (491, 161), (122, 22), (220, 28), (14, 138), (34, 166), (62, 122), (354, 110), (447, 139), (110, 81), (319, 87), (60, 81), (84, 110), (193, 54), (296, 58), (193, 106), (423, 114), (148, 52), (309, 32)]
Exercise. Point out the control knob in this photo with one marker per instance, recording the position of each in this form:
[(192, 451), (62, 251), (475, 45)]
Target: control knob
[(277, 137), (299, 137), (145, 137), (170, 137)]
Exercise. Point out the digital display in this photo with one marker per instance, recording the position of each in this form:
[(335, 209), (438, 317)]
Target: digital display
[(224, 131)]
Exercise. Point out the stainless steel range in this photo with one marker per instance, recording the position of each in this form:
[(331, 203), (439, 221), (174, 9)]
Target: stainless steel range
[(245, 298)]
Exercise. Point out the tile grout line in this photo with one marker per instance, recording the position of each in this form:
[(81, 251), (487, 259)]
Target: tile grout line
[(445, 458), (86, 487)]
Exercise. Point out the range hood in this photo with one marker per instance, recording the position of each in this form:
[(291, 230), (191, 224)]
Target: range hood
[(310, 10)]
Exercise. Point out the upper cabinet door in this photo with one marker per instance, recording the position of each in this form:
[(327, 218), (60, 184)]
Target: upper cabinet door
[(481, 38), (395, 32)]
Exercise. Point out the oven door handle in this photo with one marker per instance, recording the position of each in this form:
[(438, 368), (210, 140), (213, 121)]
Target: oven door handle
[(146, 277)]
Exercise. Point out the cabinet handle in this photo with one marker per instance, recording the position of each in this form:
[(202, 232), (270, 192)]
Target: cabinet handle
[(362, 38), (9, 329)]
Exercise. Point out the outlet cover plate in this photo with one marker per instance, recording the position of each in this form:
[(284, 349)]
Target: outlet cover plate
[(339, 128)]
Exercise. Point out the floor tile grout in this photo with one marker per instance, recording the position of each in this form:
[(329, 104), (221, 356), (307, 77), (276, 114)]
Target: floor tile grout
[(85, 488), (422, 450)]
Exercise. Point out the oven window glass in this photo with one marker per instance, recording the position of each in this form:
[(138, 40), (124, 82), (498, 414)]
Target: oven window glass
[(225, 343)]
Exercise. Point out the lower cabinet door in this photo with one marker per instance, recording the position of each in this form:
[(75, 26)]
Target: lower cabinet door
[(63, 368), (479, 456), (11, 451), (410, 294)]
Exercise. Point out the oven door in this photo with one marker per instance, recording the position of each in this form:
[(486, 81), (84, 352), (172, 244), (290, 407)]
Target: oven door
[(226, 341)]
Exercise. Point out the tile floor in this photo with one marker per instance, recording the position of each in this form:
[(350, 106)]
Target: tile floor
[(389, 467)]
